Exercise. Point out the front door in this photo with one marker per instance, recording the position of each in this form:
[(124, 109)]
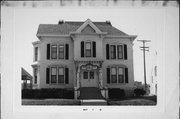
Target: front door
[(89, 79)]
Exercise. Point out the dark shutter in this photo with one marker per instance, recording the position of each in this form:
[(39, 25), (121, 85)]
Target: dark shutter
[(48, 51), (108, 75), (82, 48), (67, 51), (126, 75), (125, 51), (47, 75), (66, 75), (94, 49), (107, 51)]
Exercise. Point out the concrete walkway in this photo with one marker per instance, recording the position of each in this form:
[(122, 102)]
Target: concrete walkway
[(94, 102)]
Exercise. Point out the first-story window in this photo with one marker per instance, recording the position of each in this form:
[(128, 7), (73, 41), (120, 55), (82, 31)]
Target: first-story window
[(85, 74), (53, 75), (35, 75), (113, 75), (120, 75), (53, 51), (117, 75), (60, 75), (91, 74)]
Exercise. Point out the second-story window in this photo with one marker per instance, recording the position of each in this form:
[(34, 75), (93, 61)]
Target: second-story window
[(118, 51), (36, 54), (88, 49), (61, 51), (53, 51)]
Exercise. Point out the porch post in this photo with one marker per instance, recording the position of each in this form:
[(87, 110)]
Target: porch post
[(100, 77), (76, 88)]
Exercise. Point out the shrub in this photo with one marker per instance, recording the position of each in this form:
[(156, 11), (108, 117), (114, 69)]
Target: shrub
[(47, 93), (139, 92), (116, 93)]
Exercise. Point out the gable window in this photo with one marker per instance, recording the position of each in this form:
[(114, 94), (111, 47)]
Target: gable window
[(53, 51), (61, 51), (116, 51), (36, 54)]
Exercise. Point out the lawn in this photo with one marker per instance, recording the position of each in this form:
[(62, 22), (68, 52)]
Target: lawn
[(142, 100), (50, 102)]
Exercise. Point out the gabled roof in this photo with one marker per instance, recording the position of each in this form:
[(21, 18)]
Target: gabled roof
[(67, 27)]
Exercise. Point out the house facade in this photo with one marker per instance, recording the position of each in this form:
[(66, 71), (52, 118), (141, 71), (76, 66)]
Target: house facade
[(83, 54)]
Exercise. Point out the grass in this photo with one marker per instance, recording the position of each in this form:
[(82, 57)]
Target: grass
[(142, 100), (51, 102)]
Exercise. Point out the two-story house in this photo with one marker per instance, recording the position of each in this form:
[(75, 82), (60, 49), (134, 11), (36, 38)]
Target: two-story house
[(74, 54)]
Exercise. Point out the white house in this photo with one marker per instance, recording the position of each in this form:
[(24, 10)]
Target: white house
[(74, 54)]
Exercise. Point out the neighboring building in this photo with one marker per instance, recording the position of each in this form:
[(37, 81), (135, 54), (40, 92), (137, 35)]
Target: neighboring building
[(26, 79), (83, 54), (153, 83)]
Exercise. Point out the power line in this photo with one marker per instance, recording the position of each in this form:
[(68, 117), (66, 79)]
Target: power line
[(144, 48)]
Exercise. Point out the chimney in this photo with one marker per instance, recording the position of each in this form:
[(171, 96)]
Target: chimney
[(108, 22), (61, 22)]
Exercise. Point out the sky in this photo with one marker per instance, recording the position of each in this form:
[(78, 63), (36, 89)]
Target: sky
[(147, 24)]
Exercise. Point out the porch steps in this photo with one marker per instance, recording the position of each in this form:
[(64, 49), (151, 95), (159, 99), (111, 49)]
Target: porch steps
[(90, 93)]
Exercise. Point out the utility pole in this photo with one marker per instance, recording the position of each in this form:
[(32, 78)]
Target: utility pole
[(144, 49)]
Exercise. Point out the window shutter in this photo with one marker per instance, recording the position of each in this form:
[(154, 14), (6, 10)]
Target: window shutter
[(108, 75), (48, 51), (82, 48), (125, 51), (47, 75), (94, 49), (107, 51), (66, 75), (67, 51), (126, 75)]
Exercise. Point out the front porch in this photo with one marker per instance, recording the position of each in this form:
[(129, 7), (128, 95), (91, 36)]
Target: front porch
[(89, 81)]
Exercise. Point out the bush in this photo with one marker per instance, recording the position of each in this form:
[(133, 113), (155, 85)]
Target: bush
[(116, 93), (139, 92), (47, 93)]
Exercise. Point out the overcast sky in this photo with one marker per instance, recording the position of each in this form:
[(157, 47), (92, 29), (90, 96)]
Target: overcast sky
[(147, 24)]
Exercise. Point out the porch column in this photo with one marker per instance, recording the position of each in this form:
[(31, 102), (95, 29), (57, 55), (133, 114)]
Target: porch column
[(76, 89), (77, 77), (100, 78)]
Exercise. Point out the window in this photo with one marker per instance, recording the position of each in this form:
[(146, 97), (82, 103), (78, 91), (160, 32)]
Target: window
[(35, 75), (36, 53), (113, 75), (120, 51), (91, 75), (53, 75), (61, 51), (88, 49), (85, 74), (117, 75), (58, 51), (60, 75), (53, 51), (120, 75)]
